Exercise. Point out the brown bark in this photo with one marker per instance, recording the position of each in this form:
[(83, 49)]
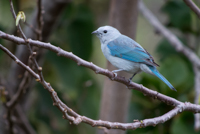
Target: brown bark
[(115, 97)]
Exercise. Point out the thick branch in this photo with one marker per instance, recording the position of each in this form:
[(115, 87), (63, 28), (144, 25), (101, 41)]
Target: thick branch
[(93, 67), (114, 99), (175, 42), (193, 7), (96, 69), (76, 118)]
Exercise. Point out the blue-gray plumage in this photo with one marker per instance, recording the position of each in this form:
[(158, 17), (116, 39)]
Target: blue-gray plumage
[(126, 54)]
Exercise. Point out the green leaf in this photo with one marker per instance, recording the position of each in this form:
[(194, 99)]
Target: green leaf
[(20, 16)]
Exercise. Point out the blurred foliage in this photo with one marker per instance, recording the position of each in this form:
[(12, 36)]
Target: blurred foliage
[(78, 87), (177, 69), (179, 15)]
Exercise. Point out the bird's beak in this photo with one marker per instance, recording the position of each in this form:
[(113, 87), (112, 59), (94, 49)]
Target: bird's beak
[(95, 32)]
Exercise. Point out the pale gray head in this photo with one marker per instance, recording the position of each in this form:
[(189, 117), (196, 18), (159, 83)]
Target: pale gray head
[(106, 33)]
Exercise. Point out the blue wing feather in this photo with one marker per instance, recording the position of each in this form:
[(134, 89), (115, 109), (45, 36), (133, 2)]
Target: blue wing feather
[(126, 48)]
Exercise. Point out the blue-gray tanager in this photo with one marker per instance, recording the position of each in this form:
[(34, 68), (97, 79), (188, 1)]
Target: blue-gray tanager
[(126, 54)]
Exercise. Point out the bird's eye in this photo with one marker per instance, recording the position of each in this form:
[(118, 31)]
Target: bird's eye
[(105, 31)]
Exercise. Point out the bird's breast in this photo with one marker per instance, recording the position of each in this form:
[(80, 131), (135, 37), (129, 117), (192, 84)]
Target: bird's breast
[(120, 63)]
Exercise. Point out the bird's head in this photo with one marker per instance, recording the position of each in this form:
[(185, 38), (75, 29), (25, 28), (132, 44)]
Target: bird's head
[(106, 33)]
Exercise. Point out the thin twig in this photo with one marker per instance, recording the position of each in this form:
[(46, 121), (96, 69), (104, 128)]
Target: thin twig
[(193, 7), (32, 28), (16, 97), (36, 76), (75, 118), (32, 54), (26, 126), (32, 57)]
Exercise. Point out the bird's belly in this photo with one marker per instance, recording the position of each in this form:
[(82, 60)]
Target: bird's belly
[(128, 66)]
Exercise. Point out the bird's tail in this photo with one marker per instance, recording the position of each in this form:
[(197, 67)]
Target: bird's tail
[(160, 76)]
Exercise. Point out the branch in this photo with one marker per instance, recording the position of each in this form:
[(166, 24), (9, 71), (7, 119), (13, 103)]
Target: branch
[(197, 95), (32, 28), (52, 10), (25, 124), (19, 62), (32, 54), (16, 97), (23, 85), (193, 7), (96, 69), (175, 42), (75, 118)]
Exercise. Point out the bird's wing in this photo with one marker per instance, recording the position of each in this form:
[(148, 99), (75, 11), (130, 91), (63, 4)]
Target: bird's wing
[(126, 48)]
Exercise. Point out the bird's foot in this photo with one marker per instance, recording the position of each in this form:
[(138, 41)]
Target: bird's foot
[(130, 80), (115, 75)]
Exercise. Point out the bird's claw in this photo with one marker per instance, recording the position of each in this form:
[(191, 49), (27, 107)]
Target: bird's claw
[(115, 74), (130, 80)]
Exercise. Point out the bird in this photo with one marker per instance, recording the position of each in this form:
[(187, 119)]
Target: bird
[(126, 54)]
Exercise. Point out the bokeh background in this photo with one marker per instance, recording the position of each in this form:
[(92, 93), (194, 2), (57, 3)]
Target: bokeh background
[(80, 88)]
